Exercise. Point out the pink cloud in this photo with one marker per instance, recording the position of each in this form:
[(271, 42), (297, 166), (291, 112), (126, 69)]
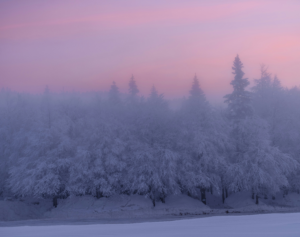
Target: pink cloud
[(46, 26)]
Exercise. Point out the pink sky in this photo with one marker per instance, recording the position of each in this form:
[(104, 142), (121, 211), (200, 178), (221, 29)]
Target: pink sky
[(85, 45)]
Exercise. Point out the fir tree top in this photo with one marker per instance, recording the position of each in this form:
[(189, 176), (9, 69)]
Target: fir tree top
[(239, 101), (196, 92), (133, 89), (114, 95)]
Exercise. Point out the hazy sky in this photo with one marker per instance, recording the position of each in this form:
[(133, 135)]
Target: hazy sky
[(85, 45)]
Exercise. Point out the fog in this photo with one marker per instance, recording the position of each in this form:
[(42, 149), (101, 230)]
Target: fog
[(53, 145)]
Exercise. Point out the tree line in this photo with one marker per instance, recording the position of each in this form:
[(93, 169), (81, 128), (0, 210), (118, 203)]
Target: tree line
[(58, 144)]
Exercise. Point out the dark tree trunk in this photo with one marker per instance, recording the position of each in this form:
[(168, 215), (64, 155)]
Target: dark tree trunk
[(285, 192), (223, 195), (203, 195), (256, 202), (99, 194), (211, 189), (153, 202), (152, 193), (252, 195), (162, 199), (66, 195), (55, 201), (226, 191)]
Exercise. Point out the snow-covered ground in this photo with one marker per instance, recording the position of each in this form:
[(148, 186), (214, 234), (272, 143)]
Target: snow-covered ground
[(121, 207), (272, 225)]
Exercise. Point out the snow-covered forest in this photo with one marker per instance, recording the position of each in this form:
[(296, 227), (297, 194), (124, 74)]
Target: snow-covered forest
[(53, 145)]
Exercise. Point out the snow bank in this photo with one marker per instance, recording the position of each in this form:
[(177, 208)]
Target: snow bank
[(181, 204), (124, 206), (22, 209), (268, 225), (90, 207), (242, 202)]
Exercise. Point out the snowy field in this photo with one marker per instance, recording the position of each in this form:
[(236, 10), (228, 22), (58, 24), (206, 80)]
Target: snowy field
[(283, 225)]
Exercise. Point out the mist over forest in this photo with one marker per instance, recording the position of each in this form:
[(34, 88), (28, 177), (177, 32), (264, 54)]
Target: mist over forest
[(53, 145)]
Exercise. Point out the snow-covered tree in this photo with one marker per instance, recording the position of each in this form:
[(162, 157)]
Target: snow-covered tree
[(239, 101), (153, 171), (42, 165), (114, 94), (256, 165), (202, 144), (278, 106), (56, 144), (133, 89), (153, 162), (99, 164)]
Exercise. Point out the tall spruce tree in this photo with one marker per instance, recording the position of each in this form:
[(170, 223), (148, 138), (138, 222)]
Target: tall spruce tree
[(196, 92), (255, 164), (133, 89), (114, 94), (198, 134), (156, 100), (239, 101), (197, 107)]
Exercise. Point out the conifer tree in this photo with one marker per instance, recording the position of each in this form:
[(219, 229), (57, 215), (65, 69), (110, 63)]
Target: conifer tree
[(46, 107), (197, 104), (153, 94), (254, 163), (239, 100), (196, 93), (265, 81), (114, 94), (133, 89), (156, 100), (201, 162), (262, 96)]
